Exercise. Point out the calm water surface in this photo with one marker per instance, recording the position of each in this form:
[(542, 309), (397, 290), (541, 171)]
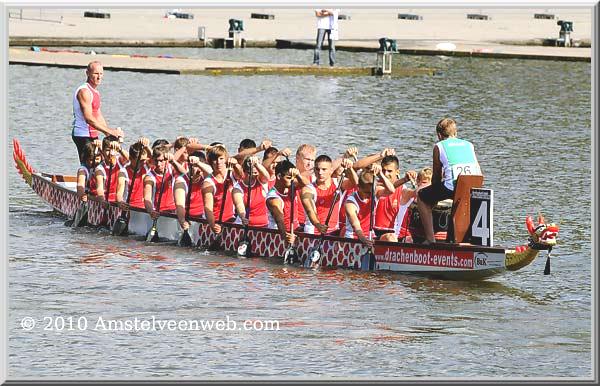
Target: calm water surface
[(529, 121)]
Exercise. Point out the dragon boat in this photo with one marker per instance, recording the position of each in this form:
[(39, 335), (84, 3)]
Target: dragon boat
[(454, 261)]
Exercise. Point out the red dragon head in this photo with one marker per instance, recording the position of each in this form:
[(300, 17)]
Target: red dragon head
[(542, 233)]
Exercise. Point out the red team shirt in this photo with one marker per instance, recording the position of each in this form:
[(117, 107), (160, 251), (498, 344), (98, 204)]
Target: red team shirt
[(364, 216), (167, 203), (258, 198), (323, 199), (218, 189), (387, 210), (196, 200), (137, 192), (287, 209), (114, 177)]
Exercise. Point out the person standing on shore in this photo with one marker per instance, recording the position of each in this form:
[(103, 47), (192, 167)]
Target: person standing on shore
[(327, 23), (87, 117)]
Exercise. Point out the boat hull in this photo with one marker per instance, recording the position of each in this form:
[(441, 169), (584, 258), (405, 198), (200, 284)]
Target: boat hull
[(447, 261)]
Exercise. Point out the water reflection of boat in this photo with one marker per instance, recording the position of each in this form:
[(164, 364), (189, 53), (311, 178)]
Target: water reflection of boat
[(451, 261), (474, 291)]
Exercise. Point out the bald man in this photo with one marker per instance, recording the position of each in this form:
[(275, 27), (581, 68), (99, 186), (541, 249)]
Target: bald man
[(87, 117)]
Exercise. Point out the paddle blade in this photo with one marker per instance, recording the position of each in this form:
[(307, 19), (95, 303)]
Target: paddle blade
[(547, 267), (152, 234), (216, 244), (290, 256), (119, 227), (313, 258), (367, 261), (80, 218), (185, 240), (243, 249)]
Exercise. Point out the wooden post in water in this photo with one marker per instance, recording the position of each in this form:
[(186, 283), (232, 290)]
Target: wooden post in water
[(387, 47), (384, 63)]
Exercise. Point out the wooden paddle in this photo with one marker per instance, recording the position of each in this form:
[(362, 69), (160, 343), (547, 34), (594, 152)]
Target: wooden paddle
[(121, 224), (153, 232), (186, 239), (244, 249), (291, 255), (217, 242), (107, 193), (316, 254), (80, 217), (368, 259), (547, 267)]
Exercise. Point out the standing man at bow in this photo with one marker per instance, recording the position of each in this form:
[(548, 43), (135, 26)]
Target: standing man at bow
[(87, 117)]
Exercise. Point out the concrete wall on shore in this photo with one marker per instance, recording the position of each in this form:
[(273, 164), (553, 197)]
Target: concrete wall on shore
[(450, 24)]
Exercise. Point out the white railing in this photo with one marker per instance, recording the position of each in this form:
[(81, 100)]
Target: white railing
[(34, 16)]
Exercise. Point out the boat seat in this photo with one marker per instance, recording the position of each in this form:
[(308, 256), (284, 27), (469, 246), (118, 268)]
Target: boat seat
[(61, 178), (461, 208)]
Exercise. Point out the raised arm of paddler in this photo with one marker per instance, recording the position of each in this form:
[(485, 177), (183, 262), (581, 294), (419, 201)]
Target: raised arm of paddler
[(180, 151), (351, 179), (241, 156), (204, 167), (123, 154), (349, 153), (263, 173), (146, 144), (372, 158), (236, 168), (301, 180), (386, 187), (180, 167), (409, 176), (272, 157), (195, 145)]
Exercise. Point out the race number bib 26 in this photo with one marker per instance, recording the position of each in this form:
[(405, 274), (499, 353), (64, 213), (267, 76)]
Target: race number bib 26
[(469, 169)]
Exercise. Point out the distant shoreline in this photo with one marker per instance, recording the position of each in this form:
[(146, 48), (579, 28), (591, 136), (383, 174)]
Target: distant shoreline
[(417, 48), (109, 42), (486, 32)]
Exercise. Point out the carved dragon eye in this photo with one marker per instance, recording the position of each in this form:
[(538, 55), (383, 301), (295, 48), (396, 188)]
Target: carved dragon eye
[(540, 229)]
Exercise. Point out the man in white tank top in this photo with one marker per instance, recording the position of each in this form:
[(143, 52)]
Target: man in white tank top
[(327, 24), (87, 117)]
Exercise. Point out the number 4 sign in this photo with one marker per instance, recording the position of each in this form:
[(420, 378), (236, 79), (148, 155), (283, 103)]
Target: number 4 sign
[(482, 217)]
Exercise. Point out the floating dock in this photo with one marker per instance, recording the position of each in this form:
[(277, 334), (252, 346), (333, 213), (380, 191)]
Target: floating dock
[(541, 51), (187, 66)]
